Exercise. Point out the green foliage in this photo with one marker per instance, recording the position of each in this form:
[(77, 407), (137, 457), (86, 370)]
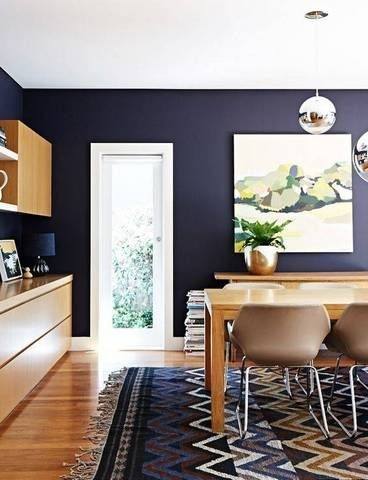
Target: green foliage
[(288, 189), (132, 258), (255, 234), (126, 318)]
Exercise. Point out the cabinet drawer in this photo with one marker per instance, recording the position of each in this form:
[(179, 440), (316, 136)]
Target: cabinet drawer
[(22, 325), (19, 376)]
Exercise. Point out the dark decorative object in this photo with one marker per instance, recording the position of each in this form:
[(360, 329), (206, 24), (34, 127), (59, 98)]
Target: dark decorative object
[(39, 245), (2, 137)]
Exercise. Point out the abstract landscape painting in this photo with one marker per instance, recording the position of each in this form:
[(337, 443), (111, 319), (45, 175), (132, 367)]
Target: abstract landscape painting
[(303, 178)]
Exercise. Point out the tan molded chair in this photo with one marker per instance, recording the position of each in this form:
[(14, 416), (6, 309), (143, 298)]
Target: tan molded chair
[(320, 286), (349, 336), (280, 336), (252, 286)]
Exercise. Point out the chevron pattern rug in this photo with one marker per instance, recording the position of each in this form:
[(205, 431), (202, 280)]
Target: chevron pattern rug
[(154, 423)]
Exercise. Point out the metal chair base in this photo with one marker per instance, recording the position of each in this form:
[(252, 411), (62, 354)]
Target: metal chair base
[(286, 377), (298, 382), (227, 360), (353, 376), (311, 371)]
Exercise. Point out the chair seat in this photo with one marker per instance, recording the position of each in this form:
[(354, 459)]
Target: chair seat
[(285, 335), (274, 356)]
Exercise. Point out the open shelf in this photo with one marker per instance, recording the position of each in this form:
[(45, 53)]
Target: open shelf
[(6, 154), (9, 207)]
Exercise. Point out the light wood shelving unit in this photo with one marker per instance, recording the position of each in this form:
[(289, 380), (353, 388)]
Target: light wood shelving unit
[(27, 162)]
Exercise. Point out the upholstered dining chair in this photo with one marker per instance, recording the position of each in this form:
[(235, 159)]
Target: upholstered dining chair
[(349, 337), (275, 336), (319, 286), (252, 286)]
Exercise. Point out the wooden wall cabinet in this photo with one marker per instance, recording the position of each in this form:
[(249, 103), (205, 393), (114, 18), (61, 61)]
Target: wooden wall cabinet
[(29, 186)]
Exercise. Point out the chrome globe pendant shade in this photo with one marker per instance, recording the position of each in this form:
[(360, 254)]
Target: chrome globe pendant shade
[(317, 114), (360, 157)]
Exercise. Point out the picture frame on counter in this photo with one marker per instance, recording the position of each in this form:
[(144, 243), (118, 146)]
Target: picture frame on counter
[(10, 267)]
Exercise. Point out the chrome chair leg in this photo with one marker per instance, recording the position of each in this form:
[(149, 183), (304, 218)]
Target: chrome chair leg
[(246, 402), (311, 379), (352, 376), (227, 360), (245, 379), (286, 377), (238, 406), (353, 404), (297, 375), (310, 389)]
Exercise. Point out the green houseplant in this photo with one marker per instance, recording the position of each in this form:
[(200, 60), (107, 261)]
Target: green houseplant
[(261, 242)]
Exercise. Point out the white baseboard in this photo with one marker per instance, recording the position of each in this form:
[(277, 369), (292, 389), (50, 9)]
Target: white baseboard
[(175, 343), (81, 344)]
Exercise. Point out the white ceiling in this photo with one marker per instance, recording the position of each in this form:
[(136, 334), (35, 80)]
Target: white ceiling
[(182, 43)]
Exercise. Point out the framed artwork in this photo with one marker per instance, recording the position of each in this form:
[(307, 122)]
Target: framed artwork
[(303, 178), (10, 268)]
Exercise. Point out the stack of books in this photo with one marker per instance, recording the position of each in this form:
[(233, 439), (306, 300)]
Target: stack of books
[(194, 323)]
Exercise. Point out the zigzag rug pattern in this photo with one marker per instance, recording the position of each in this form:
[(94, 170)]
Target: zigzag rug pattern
[(161, 430)]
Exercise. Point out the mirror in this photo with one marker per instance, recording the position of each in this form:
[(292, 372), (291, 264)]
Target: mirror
[(360, 156)]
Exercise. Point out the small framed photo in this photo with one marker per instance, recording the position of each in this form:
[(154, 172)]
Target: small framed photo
[(10, 268)]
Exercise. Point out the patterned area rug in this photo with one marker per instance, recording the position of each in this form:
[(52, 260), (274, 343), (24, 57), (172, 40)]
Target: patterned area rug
[(154, 423)]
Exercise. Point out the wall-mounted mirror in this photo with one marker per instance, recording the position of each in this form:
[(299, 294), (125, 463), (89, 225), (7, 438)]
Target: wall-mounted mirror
[(360, 156)]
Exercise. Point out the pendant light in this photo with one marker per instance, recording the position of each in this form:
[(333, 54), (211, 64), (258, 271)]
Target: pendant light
[(317, 114), (360, 157)]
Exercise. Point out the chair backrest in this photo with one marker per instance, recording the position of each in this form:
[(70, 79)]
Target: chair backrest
[(351, 332), (285, 334), (253, 285), (319, 285)]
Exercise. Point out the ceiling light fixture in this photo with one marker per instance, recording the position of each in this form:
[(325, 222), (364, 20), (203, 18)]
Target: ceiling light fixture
[(317, 114)]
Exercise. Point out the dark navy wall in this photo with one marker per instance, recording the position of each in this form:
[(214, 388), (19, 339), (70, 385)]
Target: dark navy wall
[(11, 106), (201, 125)]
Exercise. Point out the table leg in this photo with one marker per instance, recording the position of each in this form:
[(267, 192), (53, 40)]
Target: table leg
[(207, 349), (217, 371)]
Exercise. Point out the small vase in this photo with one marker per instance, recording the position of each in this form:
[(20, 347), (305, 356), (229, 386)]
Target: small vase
[(3, 185), (261, 260)]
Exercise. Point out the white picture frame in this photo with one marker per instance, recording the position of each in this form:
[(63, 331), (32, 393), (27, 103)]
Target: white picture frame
[(10, 267)]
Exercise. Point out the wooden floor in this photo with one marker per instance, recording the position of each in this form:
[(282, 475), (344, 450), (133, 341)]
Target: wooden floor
[(47, 428)]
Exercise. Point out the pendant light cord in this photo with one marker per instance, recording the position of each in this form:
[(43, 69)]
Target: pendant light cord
[(316, 53)]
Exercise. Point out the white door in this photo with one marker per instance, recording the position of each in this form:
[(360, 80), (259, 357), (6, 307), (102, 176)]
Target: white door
[(132, 272)]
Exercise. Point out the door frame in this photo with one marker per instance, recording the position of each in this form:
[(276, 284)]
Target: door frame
[(165, 150)]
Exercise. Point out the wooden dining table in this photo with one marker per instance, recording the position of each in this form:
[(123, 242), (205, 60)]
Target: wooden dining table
[(222, 305)]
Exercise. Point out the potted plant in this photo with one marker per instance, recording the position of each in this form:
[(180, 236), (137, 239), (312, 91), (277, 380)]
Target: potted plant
[(261, 242)]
